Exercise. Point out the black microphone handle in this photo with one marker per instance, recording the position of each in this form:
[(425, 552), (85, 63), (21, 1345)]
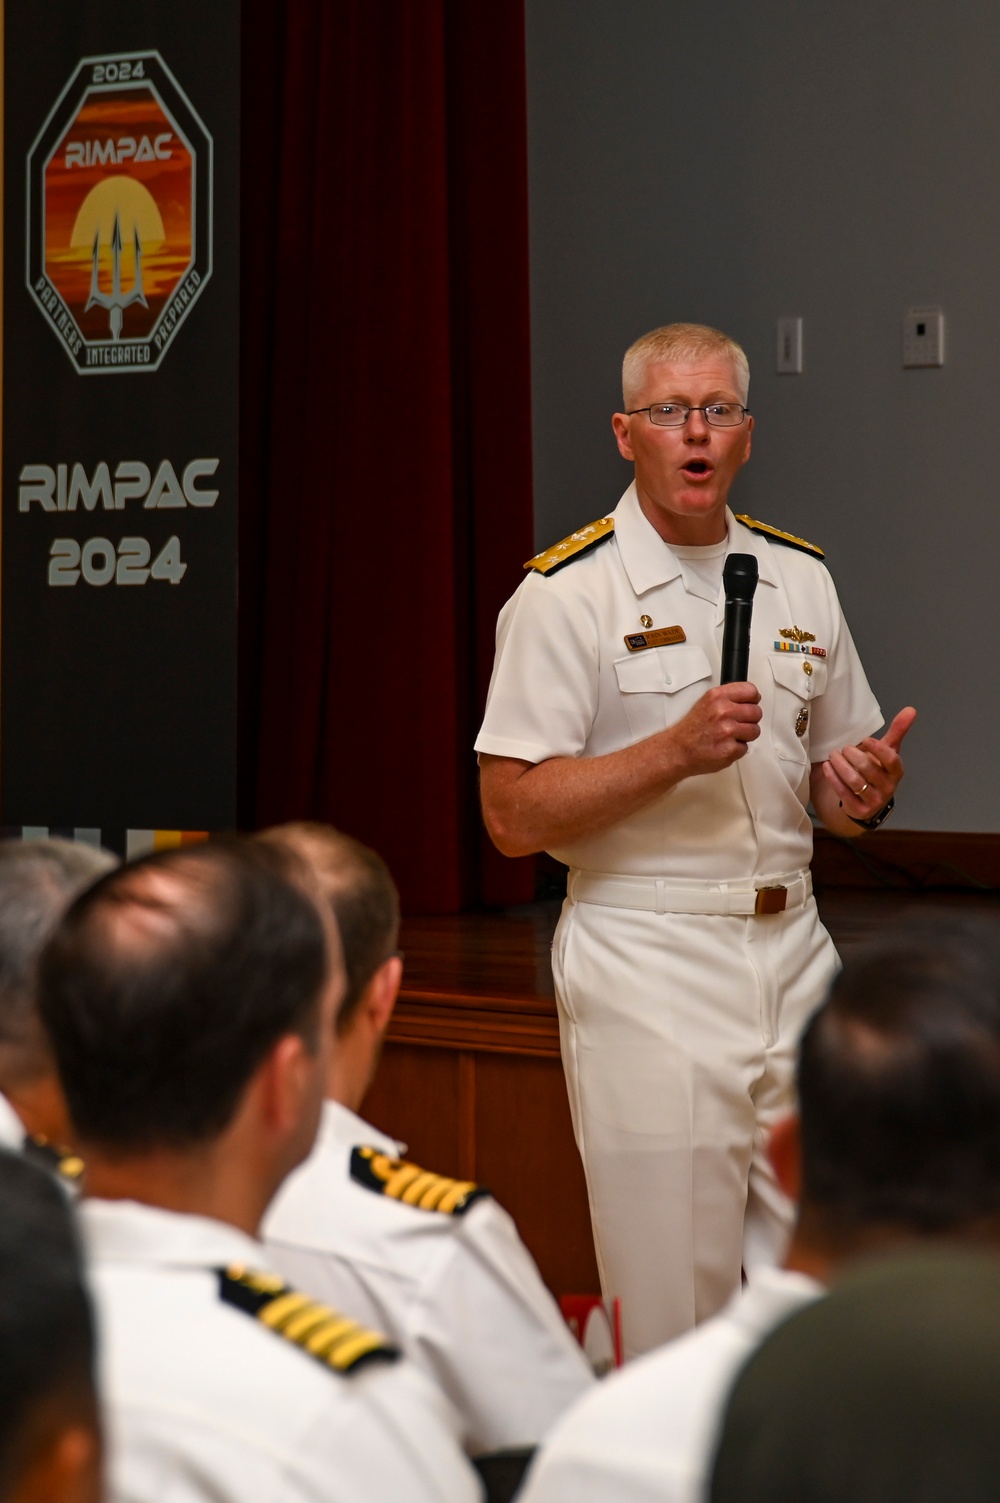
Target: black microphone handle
[(736, 642)]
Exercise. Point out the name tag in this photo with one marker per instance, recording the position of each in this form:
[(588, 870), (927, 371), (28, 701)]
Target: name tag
[(663, 636)]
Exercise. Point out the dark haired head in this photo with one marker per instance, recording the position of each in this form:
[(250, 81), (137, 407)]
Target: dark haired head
[(46, 1327), (359, 888), (38, 881), (167, 983), (899, 1083)]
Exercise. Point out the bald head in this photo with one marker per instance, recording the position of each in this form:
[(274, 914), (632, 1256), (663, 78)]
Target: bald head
[(167, 983)]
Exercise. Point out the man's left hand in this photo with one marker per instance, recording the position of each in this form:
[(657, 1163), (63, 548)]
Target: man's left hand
[(866, 776)]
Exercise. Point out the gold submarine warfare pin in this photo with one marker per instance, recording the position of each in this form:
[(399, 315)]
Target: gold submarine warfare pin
[(796, 634)]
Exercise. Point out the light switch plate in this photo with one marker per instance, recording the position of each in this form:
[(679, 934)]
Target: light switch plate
[(923, 338), (789, 353)]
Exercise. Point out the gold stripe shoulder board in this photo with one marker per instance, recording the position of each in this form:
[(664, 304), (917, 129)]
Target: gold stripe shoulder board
[(400, 1180), (331, 1338), (575, 546), (777, 536)]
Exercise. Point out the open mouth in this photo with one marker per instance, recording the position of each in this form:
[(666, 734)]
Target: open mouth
[(697, 468)]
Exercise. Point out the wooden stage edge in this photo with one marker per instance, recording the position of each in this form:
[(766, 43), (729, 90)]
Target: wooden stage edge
[(471, 1078), (495, 1025)]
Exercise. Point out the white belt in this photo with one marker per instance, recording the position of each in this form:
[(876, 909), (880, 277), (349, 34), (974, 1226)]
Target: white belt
[(683, 895)]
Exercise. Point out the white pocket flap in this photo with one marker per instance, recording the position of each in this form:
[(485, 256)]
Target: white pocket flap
[(792, 671), (662, 670)]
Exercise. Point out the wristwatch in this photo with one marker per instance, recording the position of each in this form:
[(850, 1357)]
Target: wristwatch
[(878, 818)]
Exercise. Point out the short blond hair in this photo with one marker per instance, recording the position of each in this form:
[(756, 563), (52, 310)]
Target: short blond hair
[(680, 342)]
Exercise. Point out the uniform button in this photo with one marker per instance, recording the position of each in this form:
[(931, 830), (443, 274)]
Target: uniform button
[(807, 669)]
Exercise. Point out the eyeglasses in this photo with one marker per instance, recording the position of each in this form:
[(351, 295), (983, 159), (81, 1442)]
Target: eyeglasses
[(675, 414)]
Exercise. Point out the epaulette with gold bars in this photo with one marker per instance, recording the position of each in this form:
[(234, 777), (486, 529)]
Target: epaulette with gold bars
[(332, 1338), (777, 536), (407, 1182), (575, 546)]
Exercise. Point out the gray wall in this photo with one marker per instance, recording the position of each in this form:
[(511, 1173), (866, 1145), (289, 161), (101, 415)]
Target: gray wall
[(734, 162)]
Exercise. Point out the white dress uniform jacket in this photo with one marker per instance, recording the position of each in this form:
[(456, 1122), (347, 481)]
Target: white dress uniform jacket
[(680, 1006), (205, 1404), (566, 685), (647, 1435), (459, 1293)]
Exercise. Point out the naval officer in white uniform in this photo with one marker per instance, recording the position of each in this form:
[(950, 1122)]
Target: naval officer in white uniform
[(434, 1263), (190, 999), (689, 953)]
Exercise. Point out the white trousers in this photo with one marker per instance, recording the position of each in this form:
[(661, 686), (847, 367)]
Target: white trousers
[(678, 1040)]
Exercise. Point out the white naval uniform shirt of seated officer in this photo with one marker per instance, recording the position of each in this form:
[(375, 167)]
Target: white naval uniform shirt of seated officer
[(583, 755), (460, 1294)]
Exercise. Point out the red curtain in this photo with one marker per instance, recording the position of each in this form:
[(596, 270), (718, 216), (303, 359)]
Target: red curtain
[(385, 459)]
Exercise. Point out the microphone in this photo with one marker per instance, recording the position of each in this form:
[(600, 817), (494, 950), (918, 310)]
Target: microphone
[(740, 579)]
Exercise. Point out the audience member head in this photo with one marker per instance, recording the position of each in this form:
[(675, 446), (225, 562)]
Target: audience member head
[(887, 1391), (38, 881), (190, 996), (356, 883), (899, 1093), (50, 1446)]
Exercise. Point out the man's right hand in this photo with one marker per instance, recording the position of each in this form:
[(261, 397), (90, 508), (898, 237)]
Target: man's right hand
[(716, 732), (542, 806)]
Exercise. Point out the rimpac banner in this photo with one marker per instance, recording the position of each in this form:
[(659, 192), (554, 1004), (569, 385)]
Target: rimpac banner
[(120, 419)]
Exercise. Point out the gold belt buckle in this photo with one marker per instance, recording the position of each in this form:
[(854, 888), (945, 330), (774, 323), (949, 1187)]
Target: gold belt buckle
[(771, 900)]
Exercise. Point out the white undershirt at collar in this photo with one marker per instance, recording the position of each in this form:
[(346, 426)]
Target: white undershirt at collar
[(701, 568)]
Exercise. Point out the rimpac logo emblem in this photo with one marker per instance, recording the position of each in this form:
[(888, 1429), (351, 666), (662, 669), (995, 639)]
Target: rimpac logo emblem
[(119, 234)]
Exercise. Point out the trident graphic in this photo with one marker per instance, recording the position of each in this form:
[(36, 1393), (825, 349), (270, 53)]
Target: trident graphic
[(116, 302)]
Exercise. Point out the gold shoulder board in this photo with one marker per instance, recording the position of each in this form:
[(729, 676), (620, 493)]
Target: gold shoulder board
[(333, 1339), (412, 1185), (577, 544), (777, 536)]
